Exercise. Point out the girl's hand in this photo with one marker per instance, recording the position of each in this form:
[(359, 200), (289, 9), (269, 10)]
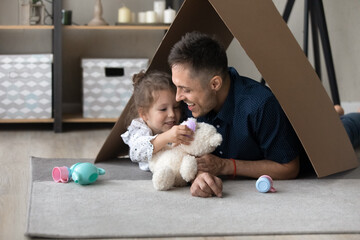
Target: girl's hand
[(179, 134)]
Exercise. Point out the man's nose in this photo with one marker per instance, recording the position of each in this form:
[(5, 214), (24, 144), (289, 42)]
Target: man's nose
[(179, 97)]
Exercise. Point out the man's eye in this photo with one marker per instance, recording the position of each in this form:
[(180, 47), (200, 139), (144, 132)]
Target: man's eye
[(186, 90)]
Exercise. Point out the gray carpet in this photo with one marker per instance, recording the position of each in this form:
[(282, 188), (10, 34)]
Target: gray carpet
[(123, 203)]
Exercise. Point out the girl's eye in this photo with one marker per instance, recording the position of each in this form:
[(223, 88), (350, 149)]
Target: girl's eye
[(162, 109)]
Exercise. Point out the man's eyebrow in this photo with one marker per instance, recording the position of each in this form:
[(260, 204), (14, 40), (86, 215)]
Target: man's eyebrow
[(181, 87)]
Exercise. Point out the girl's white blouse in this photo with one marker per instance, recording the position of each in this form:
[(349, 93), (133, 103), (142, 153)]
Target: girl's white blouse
[(138, 137)]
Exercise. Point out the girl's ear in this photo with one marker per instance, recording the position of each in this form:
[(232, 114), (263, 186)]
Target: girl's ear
[(142, 114), (216, 83)]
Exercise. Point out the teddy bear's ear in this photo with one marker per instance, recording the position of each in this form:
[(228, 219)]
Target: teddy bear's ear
[(215, 140)]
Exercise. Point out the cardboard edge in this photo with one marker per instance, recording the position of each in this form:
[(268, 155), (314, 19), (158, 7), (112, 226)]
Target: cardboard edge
[(114, 146), (271, 45)]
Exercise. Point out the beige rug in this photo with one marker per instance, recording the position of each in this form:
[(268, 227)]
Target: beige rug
[(123, 203)]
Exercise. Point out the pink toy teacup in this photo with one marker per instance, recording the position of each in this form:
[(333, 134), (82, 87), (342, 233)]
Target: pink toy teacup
[(61, 174)]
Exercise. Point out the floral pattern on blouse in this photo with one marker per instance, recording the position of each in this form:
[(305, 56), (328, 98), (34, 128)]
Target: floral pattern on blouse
[(138, 137)]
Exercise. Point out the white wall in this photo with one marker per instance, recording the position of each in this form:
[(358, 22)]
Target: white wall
[(343, 19)]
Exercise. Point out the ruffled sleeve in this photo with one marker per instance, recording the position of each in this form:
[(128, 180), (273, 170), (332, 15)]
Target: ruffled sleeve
[(138, 137)]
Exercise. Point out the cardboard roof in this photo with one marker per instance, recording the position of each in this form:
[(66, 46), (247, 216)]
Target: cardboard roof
[(267, 40)]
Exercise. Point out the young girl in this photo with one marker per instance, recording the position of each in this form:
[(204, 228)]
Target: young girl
[(159, 114)]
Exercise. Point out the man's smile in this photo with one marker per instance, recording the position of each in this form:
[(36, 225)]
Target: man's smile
[(190, 105)]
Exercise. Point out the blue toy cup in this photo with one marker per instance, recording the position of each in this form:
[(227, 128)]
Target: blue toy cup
[(265, 184), (85, 173)]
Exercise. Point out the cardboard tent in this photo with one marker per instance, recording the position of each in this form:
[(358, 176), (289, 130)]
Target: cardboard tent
[(267, 40)]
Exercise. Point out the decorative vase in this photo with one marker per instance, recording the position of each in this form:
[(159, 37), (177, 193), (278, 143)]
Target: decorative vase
[(98, 20)]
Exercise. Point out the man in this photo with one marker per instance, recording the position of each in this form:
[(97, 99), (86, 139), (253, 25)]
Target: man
[(257, 136)]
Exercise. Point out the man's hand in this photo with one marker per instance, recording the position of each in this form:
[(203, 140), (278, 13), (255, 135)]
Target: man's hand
[(206, 185), (211, 164)]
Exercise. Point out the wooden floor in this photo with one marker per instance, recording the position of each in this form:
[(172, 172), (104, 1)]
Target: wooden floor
[(16, 146)]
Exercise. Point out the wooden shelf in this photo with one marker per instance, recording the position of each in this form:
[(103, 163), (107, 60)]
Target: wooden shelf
[(57, 30), (42, 120), (119, 27), (25, 27), (78, 118), (111, 27)]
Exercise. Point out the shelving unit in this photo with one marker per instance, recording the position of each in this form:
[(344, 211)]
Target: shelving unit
[(25, 27), (43, 120), (57, 69), (77, 118), (11, 28), (59, 41), (120, 27), (59, 32)]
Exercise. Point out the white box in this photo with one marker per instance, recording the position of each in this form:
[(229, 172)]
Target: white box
[(26, 86), (107, 85)]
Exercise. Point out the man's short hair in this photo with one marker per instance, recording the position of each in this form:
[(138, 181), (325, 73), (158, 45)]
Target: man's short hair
[(203, 53)]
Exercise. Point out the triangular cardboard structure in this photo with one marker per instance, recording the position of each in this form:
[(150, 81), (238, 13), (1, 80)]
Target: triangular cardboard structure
[(267, 40)]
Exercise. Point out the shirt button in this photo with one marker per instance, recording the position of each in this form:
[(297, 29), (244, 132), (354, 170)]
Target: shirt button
[(220, 152), (218, 126)]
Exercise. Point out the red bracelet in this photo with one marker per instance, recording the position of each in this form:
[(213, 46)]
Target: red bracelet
[(234, 174)]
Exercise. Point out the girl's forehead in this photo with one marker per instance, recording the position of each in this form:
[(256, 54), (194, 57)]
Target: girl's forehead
[(163, 94)]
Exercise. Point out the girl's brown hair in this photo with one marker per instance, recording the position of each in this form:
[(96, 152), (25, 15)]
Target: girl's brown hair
[(146, 83)]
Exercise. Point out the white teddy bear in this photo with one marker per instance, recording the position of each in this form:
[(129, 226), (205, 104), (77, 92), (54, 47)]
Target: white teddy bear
[(175, 166)]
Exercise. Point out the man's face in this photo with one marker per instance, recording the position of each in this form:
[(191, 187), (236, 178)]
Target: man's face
[(199, 97)]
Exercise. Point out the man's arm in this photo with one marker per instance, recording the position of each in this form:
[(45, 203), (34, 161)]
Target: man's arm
[(206, 184), (254, 169), (276, 170)]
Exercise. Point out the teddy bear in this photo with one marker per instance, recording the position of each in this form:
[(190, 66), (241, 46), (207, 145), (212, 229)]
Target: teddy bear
[(174, 166)]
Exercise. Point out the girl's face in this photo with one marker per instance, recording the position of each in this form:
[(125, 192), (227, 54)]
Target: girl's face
[(164, 113)]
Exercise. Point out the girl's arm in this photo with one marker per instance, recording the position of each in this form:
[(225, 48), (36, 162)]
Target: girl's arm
[(179, 134)]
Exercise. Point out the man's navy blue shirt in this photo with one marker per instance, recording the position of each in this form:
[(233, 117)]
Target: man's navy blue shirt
[(252, 124)]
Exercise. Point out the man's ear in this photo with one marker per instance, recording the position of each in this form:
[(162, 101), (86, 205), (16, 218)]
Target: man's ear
[(216, 83)]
